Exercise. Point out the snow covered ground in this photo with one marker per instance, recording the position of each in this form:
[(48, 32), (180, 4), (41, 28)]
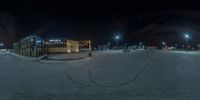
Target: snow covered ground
[(107, 75)]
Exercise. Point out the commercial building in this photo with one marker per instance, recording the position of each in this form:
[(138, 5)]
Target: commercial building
[(29, 46), (85, 45), (35, 46), (61, 46)]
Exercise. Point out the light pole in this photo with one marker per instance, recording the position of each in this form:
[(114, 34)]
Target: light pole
[(1, 45), (117, 39), (186, 41)]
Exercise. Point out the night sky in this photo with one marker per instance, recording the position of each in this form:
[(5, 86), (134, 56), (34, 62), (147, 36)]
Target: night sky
[(139, 21)]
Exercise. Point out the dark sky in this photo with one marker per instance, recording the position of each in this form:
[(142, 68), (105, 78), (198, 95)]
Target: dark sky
[(99, 19)]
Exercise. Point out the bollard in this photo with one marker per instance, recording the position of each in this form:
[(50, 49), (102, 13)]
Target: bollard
[(90, 54)]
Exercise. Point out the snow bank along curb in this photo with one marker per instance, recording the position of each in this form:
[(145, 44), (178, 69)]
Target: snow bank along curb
[(59, 61), (28, 58), (66, 59)]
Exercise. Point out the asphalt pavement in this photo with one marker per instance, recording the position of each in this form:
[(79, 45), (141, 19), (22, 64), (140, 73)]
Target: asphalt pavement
[(140, 75)]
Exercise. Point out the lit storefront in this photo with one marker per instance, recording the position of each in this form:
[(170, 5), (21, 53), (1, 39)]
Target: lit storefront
[(61, 46), (29, 46), (35, 46), (85, 45)]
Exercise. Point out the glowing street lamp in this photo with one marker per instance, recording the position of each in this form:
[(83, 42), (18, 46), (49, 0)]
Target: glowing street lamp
[(117, 39), (186, 41), (186, 36), (1, 44)]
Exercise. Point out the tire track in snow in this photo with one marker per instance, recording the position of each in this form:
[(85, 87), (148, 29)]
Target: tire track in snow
[(123, 83), (77, 82)]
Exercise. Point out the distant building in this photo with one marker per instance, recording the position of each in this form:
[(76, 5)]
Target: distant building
[(61, 46), (152, 48), (29, 46), (85, 45), (35, 46), (133, 47)]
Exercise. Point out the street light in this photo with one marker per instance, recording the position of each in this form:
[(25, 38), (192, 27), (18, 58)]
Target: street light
[(186, 41), (186, 36), (1, 44), (117, 39)]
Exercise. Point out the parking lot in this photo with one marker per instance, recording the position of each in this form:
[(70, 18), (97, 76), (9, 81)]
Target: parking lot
[(107, 75)]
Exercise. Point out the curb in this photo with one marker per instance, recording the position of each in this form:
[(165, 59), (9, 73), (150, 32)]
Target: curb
[(28, 58), (67, 59)]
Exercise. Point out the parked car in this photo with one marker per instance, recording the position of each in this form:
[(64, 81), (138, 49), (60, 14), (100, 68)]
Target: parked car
[(3, 50)]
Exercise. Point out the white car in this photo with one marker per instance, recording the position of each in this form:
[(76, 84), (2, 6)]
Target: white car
[(3, 50)]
